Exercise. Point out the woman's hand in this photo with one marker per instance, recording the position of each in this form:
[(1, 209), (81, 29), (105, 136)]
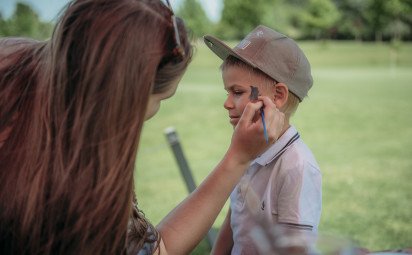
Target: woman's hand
[(248, 139)]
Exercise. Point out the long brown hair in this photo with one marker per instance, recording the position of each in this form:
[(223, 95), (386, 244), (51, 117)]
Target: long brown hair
[(66, 169)]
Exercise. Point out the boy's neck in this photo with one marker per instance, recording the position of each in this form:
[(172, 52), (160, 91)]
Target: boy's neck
[(286, 126)]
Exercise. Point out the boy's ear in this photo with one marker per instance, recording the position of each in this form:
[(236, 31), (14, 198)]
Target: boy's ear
[(280, 97)]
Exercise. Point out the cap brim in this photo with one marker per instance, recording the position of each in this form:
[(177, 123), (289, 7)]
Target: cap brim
[(222, 50)]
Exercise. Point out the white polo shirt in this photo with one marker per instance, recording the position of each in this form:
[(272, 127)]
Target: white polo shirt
[(283, 185)]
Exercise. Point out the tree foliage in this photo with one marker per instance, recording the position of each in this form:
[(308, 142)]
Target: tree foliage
[(307, 19), (25, 22), (195, 17), (352, 23), (240, 16), (397, 26), (378, 16), (320, 16), (283, 16), (313, 19)]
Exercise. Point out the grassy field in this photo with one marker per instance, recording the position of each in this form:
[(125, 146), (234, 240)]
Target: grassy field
[(357, 120)]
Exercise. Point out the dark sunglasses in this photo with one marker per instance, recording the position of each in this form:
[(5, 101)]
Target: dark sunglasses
[(178, 50)]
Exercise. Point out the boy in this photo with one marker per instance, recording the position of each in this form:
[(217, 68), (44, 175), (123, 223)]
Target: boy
[(283, 185)]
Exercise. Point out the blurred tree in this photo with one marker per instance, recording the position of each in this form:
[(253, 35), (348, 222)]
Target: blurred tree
[(352, 23), (3, 26), (195, 17), (284, 16), (25, 22), (239, 17), (406, 15), (45, 30), (378, 17), (314, 19), (319, 18), (392, 18), (398, 17)]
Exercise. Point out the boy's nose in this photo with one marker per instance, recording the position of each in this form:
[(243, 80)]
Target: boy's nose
[(228, 104)]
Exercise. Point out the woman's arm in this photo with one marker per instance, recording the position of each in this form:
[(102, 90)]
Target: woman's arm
[(187, 224), (183, 228), (224, 241)]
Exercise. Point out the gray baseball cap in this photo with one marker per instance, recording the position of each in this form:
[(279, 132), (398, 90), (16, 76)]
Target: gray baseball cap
[(273, 53)]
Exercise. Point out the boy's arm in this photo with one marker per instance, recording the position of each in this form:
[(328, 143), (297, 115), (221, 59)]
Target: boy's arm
[(224, 242)]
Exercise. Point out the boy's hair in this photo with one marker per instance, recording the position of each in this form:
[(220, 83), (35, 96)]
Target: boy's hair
[(293, 101)]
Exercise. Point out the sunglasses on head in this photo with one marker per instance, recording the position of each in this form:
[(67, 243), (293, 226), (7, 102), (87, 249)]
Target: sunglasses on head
[(178, 49)]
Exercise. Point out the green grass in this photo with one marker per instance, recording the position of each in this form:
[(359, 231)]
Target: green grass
[(357, 120)]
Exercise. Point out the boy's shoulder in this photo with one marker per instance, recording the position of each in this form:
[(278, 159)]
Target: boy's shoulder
[(297, 163), (299, 155), (300, 151), (290, 146), (290, 154)]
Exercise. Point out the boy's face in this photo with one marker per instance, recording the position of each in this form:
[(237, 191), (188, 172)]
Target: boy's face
[(237, 81)]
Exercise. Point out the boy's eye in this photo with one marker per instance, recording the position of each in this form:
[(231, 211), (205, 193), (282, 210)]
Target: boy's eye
[(238, 92)]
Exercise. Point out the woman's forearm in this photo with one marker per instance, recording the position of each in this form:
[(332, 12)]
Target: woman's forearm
[(187, 224)]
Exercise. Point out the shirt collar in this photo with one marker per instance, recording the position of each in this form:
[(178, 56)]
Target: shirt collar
[(289, 136)]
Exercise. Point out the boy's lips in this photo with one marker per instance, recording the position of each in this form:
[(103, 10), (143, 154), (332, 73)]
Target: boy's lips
[(234, 119)]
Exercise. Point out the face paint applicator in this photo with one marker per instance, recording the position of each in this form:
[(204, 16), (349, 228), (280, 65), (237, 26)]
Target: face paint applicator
[(254, 93)]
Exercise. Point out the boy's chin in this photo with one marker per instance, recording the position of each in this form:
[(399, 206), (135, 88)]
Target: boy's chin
[(234, 122)]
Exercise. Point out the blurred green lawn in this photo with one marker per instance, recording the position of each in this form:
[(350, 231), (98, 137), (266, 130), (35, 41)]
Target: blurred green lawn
[(357, 120)]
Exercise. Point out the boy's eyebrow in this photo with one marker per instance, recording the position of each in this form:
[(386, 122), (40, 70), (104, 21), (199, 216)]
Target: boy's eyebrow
[(233, 86)]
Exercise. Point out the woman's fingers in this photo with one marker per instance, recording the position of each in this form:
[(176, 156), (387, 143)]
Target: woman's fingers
[(249, 113), (248, 139), (274, 119)]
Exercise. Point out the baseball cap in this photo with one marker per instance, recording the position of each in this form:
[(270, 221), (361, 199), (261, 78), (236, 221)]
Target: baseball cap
[(273, 53)]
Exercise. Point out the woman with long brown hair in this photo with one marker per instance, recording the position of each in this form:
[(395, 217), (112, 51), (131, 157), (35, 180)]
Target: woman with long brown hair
[(71, 113)]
